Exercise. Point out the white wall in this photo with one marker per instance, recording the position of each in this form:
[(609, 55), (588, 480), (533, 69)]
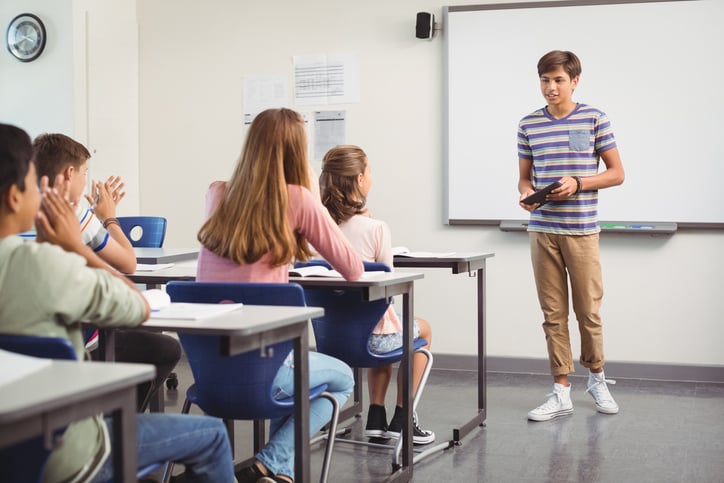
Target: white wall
[(662, 303), (84, 85), (38, 96)]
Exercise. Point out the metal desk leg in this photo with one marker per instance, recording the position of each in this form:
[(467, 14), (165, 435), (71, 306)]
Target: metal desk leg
[(301, 407), (479, 419), (404, 473), (124, 439)]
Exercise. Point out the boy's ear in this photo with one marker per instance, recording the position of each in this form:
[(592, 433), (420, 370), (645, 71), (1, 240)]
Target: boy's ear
[(68, 172), (11, 199)]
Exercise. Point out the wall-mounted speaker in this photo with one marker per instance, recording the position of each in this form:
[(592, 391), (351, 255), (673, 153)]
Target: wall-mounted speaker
[(424, 25)]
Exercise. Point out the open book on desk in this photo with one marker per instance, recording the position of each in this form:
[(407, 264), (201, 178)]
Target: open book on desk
[(405, 252), (192, 311), (322, 271), (314, 271)]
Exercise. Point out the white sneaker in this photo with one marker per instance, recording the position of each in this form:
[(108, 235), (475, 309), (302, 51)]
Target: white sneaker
[(558, 404), (597, 386)]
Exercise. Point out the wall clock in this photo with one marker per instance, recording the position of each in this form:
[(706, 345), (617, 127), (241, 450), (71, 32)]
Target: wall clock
[(25, 37)]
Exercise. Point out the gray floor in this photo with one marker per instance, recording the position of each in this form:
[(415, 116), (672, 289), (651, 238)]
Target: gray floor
[(665, 432)]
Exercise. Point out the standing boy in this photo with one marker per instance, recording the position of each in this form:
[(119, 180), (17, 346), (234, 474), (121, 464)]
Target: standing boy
[(46, 289), (564, 142)]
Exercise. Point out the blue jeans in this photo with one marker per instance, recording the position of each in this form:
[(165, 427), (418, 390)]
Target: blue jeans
[(198, 442), (278, 454)]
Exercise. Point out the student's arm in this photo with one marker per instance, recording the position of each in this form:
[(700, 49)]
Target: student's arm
[(384, 248), (612, 176), (314, 183), (312, 220), (57, 223), (525, 183), (118, 251)]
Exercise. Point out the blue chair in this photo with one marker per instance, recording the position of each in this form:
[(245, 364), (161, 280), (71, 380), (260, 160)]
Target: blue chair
[(26, 461), (240, 387), (152, 234), (152, 230), (344, 331)]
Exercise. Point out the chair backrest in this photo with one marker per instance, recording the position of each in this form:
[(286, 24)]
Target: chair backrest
[(237, 387), (344, 330), (25, 461), (144, 231), (37, 346)]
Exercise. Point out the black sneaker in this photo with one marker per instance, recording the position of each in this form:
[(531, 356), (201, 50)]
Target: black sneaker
[(419, 435), (248, 474), (376, 422)]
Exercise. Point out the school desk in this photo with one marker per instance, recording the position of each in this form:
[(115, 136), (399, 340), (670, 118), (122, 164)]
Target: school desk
[(254, 327), (164, 255), (66, 391), (474, 265), (181, 271), (376, 286)]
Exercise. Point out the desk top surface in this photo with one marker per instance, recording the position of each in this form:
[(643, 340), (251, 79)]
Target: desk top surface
[(185, 270), (64, 383), (246, 321), (455, 257), (459, 262), (164, 255), (369, 279)]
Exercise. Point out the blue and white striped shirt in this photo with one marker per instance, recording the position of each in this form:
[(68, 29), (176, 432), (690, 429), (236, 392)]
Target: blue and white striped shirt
[(565, 147)]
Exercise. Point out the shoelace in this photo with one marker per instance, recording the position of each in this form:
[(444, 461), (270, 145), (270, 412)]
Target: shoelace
[(600, 390), (418, 428), (551, 401)]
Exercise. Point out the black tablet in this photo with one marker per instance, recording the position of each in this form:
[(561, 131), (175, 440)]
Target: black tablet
[(540, 195)]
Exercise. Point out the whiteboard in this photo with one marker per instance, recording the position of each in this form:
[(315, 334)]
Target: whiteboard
[(656, 69)]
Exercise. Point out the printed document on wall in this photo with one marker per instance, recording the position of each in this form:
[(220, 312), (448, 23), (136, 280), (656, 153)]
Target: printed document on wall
[(326, 79), (329, 131), (264, 92)]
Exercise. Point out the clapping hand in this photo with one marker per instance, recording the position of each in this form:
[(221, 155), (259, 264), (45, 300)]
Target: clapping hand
[(56, 221), (105, 197)]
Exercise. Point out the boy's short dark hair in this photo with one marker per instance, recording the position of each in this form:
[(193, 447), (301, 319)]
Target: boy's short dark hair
[(16, 154), (55, 152), (560, 58)]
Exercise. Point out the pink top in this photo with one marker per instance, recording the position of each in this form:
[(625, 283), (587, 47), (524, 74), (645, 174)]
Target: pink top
[(308, 217), (371, 238)]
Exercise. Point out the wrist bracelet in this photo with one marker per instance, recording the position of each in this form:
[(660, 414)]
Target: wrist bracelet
[(110, 221), (578, 185)]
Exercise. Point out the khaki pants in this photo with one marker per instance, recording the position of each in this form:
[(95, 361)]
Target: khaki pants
[(555, 259)]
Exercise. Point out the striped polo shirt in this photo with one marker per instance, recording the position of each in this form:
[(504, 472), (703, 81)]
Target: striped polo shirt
[(91, 229), (565, 147)]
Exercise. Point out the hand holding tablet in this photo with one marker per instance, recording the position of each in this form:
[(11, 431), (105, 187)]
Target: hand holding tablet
[(540, 195)]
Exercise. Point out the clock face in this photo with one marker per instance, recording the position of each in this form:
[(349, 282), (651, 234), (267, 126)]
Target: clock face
[(26, 37)]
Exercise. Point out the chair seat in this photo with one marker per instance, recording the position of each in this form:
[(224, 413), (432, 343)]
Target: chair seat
[(144, 472), (286, 403), (396, 354)]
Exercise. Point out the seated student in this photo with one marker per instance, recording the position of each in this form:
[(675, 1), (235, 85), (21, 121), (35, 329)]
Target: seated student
[(46, 288), (58, 156), (345, 183), (258, 223)]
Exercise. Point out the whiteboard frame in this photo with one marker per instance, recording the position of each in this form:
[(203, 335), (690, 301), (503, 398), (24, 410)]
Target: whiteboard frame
[(446, 104)]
